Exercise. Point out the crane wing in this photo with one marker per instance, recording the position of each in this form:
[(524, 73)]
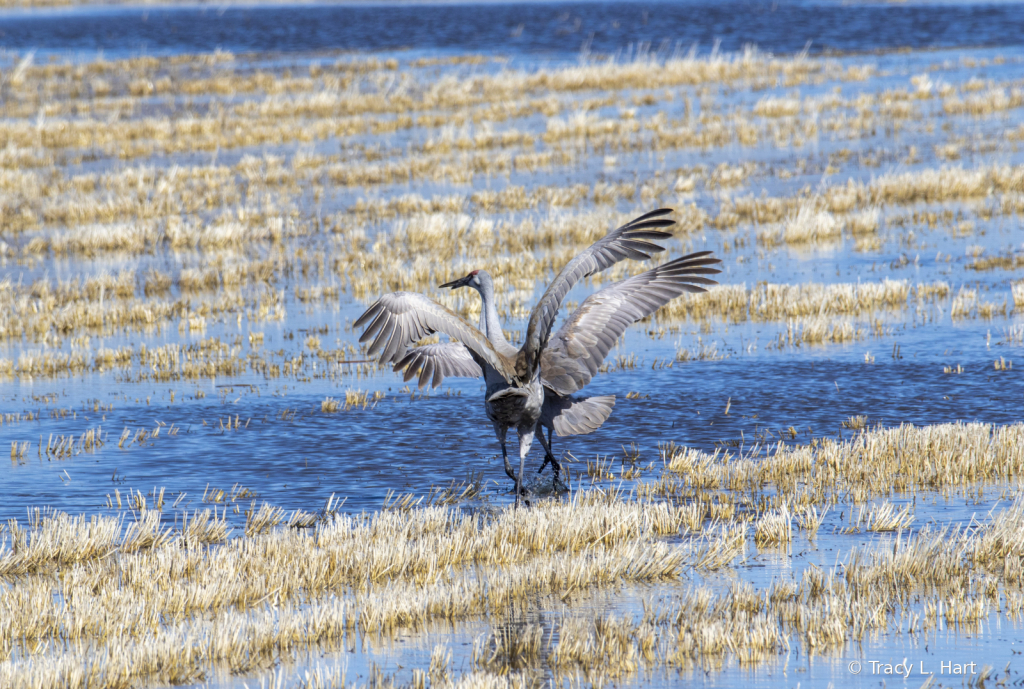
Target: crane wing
[(399, 319), (432, 363), (576, 351), (574, 416), (632, 240)]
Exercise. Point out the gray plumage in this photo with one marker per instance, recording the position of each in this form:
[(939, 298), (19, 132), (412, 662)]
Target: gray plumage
[(574, 416), (575, 353), (532, 388), (566, 416), (434, 362), (632, 240), (398, 320)]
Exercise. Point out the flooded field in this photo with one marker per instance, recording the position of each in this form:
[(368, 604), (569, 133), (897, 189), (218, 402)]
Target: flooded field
[(811, 473)]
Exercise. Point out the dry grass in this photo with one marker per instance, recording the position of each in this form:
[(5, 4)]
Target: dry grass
[(145, 592), (823, 330), (1018, 295), (775, 302), (856, 423), (230, 211), (968, 304), (774, 528), (554, 548), (886, 517), (806, 225), (353, 399), (883, 462)]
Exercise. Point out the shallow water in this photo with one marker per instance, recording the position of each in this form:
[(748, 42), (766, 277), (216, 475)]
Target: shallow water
[(409, 441), (994, 644), (554, 29)]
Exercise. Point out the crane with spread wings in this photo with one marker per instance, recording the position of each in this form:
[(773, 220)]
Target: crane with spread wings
[(535, 385)]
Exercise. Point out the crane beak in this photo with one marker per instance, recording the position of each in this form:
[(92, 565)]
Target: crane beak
[(455, 284)]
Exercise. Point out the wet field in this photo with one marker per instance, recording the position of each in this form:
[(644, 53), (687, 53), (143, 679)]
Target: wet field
[(814, 465)]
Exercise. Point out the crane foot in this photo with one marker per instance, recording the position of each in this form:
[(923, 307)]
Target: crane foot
[(521, 496)]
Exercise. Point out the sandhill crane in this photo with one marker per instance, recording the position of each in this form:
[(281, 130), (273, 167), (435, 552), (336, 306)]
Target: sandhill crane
[(570, 415), (516, 379)]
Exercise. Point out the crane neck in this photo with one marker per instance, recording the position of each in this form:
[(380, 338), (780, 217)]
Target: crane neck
[(490, 324)]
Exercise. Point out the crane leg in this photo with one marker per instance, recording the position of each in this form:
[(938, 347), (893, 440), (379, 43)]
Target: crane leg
[(525, 441), (549, 456), (554, 462), (501, 431)]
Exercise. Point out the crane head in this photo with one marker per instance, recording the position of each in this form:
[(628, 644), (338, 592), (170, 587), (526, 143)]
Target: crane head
[(471, 280)]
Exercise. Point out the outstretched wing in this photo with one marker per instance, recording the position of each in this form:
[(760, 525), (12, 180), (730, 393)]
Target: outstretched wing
[(632, 240), (574, 416), (576, 351), (398, 320), (432, 363)]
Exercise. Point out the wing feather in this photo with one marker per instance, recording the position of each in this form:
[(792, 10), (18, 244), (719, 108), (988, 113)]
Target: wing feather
[(574, 416), (426, 373), (575, 353), (433, 363), (398, 320), (633, 240)]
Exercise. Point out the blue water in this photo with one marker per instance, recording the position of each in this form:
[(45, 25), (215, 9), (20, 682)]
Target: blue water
[(549, 29), (295, 456)]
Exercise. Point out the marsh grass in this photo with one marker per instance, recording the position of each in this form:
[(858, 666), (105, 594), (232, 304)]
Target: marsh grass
[(882, 462), (454, 565), (885, 517), (774, 528), (511, 647), (1018, 295), (856, 423), (236, 191)]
